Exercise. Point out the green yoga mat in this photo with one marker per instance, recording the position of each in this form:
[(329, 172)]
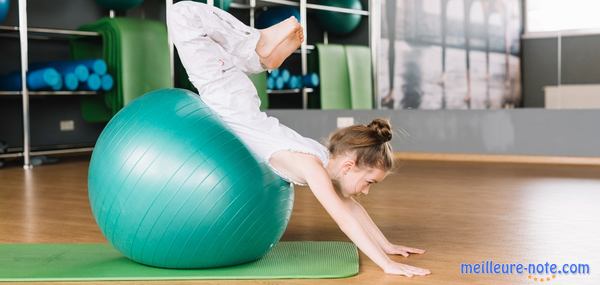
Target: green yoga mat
[(359, 72), (333, 70), (137, 54), (87, 262)]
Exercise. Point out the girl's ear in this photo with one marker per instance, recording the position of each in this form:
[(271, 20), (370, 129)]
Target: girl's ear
[(347, 165)]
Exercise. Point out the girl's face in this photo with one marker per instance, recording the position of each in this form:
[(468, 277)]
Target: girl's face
[(354, 181)]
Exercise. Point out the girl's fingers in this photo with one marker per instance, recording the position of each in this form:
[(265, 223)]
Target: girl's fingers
[(414, 250)]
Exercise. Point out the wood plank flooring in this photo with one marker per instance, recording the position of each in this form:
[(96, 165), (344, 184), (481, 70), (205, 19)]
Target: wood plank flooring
[(458, 212)]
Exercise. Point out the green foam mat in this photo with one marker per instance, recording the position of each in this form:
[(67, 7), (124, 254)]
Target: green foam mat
[(333, 72), (87, 262), (359, 71), (137, 54)]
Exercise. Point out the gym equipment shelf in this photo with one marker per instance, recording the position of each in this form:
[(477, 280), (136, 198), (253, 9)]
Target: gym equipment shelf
[(373, 14), (289, 91), (25, 33), (318, 7), (50, 31), (50, 93)]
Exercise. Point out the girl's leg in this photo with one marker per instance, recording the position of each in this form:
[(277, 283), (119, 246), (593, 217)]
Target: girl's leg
[(283, 50), (247, 46)]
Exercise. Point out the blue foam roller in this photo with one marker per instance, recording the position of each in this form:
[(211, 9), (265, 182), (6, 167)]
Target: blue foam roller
[(97, 66), (279, 83), (43, 79), (270, 83), (295, 82), (107, 82), (311, 80), (58, 85), (40, 79), (93, 83), (285, 75), (4, 8), (70, 81), (80, 70)]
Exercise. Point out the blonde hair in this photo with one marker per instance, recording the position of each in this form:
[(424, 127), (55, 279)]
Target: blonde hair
[(370, 143)]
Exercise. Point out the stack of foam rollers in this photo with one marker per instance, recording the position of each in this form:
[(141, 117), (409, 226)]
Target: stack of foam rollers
[(282, 79), (71, 75)]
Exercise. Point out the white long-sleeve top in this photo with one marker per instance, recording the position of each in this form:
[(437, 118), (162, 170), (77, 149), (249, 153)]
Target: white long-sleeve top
[(218, 51)]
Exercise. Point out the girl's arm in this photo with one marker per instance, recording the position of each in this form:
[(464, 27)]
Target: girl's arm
[(359, 212), (309, 168)]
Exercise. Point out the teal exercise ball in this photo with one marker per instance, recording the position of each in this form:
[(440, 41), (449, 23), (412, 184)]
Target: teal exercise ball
[(171, 186), (339, 23), (119, 4), (222, 4)]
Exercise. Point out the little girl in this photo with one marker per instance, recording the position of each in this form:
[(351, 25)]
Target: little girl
[(218, 52)]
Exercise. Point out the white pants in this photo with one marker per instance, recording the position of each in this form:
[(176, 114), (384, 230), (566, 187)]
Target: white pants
[(218, 51)]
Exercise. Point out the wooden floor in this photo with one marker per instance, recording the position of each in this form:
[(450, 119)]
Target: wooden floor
[(459, 212)]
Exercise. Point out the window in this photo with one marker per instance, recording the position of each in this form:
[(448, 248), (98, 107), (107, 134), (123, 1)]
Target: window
[(560, 15)]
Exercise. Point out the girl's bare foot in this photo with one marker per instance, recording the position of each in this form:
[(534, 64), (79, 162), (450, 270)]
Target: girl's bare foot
[(284, 49), (272, 36)]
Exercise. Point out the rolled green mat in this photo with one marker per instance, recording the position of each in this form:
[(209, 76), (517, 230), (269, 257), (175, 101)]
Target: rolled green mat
[(333, 70), (134, 73), (360, 77)]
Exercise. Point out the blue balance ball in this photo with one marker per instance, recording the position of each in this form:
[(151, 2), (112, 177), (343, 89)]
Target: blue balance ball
[(274, 15), (171, 186), (4, 8), (339, 23)]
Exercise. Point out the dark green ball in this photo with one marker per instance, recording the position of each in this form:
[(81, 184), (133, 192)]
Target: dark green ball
[(119, 4), (339, 23), (222, 4)]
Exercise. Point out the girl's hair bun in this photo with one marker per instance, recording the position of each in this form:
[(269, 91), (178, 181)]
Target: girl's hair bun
[(382, 129)]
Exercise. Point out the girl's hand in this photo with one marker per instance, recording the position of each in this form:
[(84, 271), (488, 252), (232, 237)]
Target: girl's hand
[(402, 250), (396, 268)]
